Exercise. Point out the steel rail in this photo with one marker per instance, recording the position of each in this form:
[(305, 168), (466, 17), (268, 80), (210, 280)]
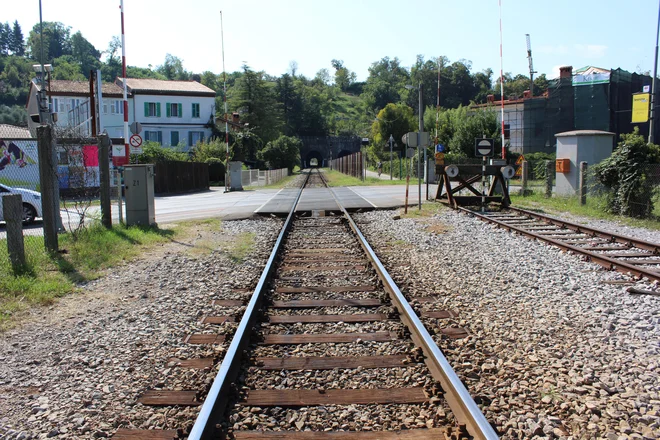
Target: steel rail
[(222, 388), (459, 399), (630, 241), (601, 259)]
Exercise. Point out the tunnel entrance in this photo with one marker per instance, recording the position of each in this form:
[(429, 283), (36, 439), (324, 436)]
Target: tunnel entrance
[(313, 159)]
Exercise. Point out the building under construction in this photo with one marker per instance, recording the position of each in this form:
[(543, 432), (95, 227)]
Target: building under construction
[(587, 99)]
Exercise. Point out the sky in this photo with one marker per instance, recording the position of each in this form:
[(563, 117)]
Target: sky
[(268, 35)]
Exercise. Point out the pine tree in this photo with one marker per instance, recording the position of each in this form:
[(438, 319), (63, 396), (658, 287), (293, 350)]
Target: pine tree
[(4, 38), (16, 40)]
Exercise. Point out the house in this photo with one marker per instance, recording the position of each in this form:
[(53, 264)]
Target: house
[(172, 113), (70, 101)]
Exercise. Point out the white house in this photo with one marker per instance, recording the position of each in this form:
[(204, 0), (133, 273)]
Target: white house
[(70, 100), (171, 112)]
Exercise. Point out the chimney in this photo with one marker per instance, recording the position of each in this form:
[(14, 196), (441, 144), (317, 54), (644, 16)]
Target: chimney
[(490, 99), (235, 118), (566, 72), (527, 94)]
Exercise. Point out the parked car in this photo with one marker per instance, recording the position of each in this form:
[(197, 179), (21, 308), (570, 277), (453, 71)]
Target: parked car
[(31, 202)]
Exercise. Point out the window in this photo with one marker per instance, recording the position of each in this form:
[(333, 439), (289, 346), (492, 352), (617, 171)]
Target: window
[(507, 131), (105, 107), (174, 138), (195, 110), (152, 109), (174, 110), (116, 107), (154, 136), (195, 137)]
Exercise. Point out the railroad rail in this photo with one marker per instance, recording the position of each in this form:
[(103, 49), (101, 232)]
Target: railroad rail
[(611, 251), (324, 245), (327, 332)]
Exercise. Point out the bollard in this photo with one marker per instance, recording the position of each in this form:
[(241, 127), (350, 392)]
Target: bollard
[(582, 183), (549, 171), (523, 178), (12, 207)]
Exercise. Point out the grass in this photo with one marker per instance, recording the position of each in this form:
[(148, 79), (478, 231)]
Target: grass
[(239, 248), (429, 209), (46, 277), (335, 178), (594, 208)]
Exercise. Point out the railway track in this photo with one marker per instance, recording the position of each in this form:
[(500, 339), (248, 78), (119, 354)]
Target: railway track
[(329, 348), (612, 251)]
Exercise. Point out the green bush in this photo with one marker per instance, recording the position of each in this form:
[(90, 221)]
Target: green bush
[(153, 152), (626, 174), (284, 152)]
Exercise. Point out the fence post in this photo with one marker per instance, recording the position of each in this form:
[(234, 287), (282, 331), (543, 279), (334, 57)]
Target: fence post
[(46, 181), (582, 182), (104, 180), (523, 178), (549, 171), (12, 207)]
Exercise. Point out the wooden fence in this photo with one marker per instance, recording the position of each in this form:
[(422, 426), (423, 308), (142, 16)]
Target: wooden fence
[(180, 177), (351, 164)]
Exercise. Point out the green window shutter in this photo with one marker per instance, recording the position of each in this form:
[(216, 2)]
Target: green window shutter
[(190, 139), (180, 110), (160, 136), (174, 138), (168, 109), (158, 109), (146, 109)]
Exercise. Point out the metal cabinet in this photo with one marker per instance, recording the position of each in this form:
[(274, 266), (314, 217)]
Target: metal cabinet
[(140, 205)]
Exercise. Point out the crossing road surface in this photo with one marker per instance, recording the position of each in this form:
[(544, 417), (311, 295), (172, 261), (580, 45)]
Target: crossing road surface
[(233, 205)]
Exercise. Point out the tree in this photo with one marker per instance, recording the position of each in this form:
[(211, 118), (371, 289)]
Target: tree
[(385, 82), (395, 120), (112, 68), (284, 152), (56, 41), (343, 77), (254, 98), (84, 54), (626, 174), (66, 68), (153, 152), (16, 41), (5, 36), (172, 69)]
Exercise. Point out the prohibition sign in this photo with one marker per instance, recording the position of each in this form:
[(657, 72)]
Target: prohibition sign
[(135, 141)]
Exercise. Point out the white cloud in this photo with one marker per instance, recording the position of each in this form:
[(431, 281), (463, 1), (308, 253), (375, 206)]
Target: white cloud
[(590, 50)]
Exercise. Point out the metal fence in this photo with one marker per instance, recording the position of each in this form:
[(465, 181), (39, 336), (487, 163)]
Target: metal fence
[(263, 177), (351, 164), (180, 177)]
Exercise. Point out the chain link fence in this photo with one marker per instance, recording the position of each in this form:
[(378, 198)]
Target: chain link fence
[(19, 175)]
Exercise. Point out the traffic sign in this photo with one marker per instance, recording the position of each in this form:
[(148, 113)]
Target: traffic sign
[(519, 162), (439, 148), (135, 141), (484, 147), (136, 127), (416, 139), (410, 153), (439, 158)]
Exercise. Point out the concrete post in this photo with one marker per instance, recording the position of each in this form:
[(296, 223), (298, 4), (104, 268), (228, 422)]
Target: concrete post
[(12, 207), (523, 178), (46, 172), (104, 180), (582, 183), (549, 172)]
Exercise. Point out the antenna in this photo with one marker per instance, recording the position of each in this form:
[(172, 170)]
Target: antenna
[(531, 66)]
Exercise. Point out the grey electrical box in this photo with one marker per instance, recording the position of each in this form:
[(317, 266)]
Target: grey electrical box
[(235, 176), (140, 205)]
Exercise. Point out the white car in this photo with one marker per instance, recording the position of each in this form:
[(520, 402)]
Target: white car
[(31, 202)]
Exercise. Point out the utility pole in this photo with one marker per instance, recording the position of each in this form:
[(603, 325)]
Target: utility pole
[(531, 66), (421, 129), (391, 141), (655, 74)]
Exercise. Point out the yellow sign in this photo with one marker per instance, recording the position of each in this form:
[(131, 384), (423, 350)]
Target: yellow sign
[(519, 162), (439, 158), (640, 108)]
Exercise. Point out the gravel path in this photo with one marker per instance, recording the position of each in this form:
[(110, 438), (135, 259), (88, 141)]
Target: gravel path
[(552, 352), (75, 369)]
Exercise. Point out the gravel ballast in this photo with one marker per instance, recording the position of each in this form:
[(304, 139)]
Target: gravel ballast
[(551, 351), (76, 369)]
